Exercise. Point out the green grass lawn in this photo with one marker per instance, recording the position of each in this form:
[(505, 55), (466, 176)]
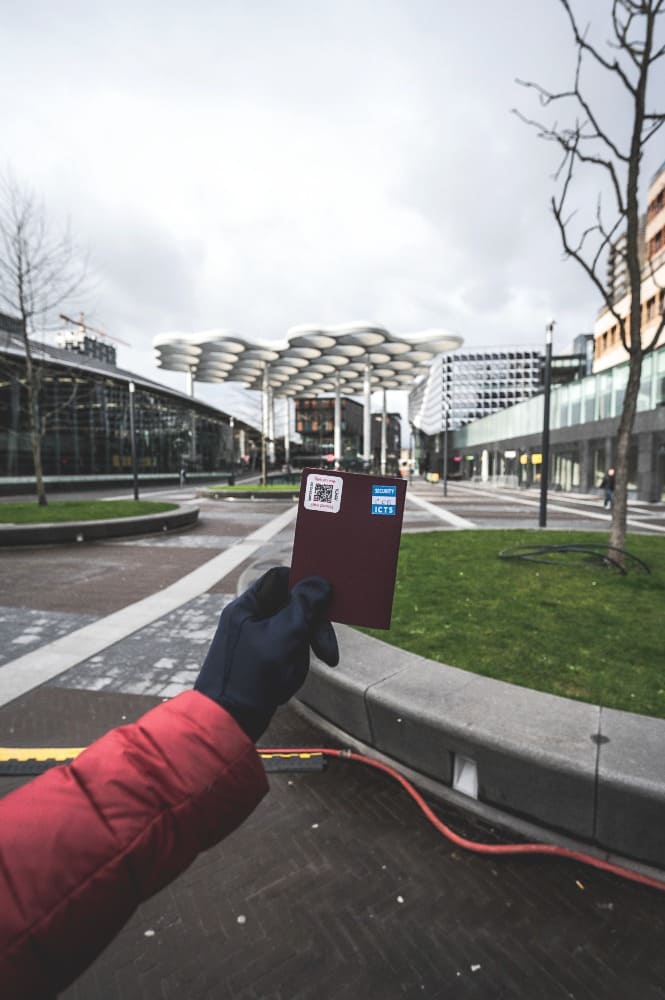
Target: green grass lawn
[(57, 511), (574, 630)]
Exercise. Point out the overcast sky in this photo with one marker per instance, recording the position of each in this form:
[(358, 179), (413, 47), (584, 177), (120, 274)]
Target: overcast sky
[(257, 164)]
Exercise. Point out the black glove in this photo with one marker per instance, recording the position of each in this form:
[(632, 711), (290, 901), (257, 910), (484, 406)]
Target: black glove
[(259, 656)]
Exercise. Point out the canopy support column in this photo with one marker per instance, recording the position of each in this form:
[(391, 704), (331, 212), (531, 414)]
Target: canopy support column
[(367, 418), (384, 436), (271, 426), (337, 443), (287, 430), (264, 425)]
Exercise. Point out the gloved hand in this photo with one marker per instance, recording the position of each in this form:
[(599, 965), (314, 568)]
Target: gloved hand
[(259, 656)]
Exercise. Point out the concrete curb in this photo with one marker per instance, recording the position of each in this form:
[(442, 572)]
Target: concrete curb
[(591, 773), (586, 772), (248, 495), (88, 531)]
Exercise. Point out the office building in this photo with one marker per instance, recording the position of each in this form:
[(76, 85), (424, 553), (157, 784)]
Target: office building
[(608, 348), (314, 422), (471, 385), (584, 418)]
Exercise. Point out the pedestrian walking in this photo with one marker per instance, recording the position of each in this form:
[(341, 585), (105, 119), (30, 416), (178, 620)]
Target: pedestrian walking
[(607, 485)]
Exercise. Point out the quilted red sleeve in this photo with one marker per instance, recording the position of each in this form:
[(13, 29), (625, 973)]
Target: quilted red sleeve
[(82, 845)]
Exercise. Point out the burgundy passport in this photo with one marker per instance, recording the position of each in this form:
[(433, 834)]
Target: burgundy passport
[(348, 531)]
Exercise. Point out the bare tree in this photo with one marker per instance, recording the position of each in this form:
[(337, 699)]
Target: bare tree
[(38, 272), (628, 61)]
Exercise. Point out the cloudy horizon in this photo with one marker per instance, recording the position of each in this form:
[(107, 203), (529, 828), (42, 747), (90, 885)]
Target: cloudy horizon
[(250, 166)]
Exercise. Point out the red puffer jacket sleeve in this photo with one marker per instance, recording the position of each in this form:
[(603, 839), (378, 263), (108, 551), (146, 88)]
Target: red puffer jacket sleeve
[(82, 845)]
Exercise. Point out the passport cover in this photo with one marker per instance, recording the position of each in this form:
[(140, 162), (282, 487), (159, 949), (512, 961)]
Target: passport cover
[(348, 530)]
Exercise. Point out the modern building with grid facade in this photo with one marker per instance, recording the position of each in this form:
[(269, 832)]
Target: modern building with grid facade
[(472, 385), (84, 403)]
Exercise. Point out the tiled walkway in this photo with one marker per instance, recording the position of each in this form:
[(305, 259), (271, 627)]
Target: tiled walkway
[(336, 887)]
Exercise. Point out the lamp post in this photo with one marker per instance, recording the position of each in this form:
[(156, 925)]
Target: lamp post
[(384, 436), (445, 446), (132, 436), (545, 449), (367, 418), (232, 477), (264, 426), (337, 423), (287, 434)]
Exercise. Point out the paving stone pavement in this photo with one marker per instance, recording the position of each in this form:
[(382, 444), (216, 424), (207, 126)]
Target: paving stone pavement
[(24, 629), (161, 660), (336, 887)]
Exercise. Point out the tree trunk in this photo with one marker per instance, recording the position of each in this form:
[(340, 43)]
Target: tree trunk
[(33, 423), (632, 336), (624, 436)]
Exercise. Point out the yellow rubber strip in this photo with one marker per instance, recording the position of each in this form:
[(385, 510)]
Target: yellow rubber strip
[(288, 756), (67, 753), (39, 753)]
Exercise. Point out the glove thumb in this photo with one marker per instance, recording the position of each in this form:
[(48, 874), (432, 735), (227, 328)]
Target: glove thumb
[(324, 643)]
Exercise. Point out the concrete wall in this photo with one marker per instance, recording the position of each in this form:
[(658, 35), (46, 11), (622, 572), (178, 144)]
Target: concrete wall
[(591, 773)]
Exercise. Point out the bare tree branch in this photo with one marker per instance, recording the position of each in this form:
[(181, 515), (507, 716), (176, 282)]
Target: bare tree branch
[(569, 139), (658, 123), (586, 142), (621, 34), (38, 272), (611, 67), (547, 97)]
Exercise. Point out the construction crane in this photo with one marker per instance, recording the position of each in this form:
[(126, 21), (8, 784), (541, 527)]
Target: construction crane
[(86, 326)]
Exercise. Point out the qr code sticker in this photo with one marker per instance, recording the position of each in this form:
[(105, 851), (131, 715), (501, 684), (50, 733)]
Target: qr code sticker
[(323, 493)]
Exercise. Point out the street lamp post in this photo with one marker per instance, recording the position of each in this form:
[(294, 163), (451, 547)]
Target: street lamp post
[(445, 448), (337, 423), (264, 425), (384, 436), (232, 477), (367, 418), (132, 436), (545, 449)]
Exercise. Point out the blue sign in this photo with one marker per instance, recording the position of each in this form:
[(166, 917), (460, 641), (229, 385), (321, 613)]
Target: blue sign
[(384, 500)]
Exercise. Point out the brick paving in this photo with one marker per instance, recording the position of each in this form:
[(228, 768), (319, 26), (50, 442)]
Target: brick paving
[(336, 887)]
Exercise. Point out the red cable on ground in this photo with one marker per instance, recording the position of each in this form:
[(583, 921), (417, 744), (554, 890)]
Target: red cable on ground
[(472, 845)]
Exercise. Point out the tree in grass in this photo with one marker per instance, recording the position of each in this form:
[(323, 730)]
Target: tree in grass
[(627, 64), (39, 271)]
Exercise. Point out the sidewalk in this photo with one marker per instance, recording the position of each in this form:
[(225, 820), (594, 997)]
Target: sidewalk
[(345, 890)]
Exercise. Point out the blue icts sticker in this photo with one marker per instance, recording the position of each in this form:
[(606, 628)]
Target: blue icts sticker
[(384, 500)]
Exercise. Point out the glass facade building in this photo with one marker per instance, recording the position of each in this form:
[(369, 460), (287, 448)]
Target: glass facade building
[(84, 407), (584, 417)]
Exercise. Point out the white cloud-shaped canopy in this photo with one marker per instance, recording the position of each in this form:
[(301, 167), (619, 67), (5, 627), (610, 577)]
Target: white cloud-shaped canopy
[(309, 361)]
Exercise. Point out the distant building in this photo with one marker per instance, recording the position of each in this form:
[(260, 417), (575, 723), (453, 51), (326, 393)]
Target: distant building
[(584, 417), (608, 349), (315, 421), (84, 401), (473, 384), (91, 347)]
